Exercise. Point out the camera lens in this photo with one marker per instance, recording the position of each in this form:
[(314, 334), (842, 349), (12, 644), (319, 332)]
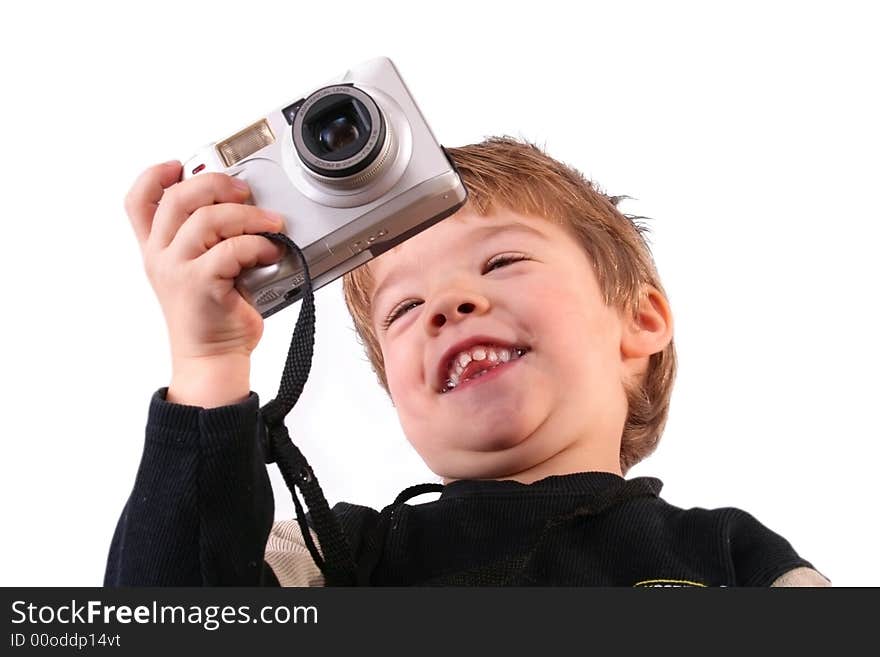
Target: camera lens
[(339, 132)]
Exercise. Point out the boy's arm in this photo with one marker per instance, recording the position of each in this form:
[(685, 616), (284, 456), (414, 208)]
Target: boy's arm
[(202, 506)]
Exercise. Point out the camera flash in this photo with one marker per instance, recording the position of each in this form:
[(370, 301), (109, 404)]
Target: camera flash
[(245, 143)]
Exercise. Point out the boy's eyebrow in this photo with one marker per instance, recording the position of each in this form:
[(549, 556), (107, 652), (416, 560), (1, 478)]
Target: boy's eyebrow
[(481, 233)]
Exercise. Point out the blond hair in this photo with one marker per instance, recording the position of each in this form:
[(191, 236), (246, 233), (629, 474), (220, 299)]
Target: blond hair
[(517, 175)]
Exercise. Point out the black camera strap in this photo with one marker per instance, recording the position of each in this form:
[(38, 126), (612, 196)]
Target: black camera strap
[(335, 560)]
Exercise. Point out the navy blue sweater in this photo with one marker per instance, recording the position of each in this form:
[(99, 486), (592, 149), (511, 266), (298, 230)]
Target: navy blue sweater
[(201, 510)]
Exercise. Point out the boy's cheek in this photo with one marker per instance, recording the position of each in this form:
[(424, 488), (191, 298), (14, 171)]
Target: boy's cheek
[(397, 384)]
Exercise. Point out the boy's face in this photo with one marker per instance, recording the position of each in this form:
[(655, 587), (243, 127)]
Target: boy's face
[(562, 404)]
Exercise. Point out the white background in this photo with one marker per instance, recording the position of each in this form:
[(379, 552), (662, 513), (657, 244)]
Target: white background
[(747, 132)]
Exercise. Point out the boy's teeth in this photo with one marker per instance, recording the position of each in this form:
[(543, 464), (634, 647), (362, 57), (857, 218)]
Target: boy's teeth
[(495, 355)]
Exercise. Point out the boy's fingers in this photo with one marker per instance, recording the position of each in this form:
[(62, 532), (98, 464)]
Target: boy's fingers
[(143, 197), (209, 225), (230, 257), (181, 200)]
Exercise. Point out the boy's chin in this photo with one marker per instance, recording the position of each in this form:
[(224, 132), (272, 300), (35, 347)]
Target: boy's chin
[(495, 443), (483, 457), (481, 466), (485, 434)]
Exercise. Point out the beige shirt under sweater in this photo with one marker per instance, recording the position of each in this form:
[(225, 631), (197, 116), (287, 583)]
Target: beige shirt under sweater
[(289, 558)]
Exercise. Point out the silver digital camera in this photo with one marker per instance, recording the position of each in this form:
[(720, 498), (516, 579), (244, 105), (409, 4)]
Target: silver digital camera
[(353, 168)]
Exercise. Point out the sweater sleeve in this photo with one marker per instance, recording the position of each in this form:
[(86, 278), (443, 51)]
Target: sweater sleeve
[(201, 508), (759, 556)]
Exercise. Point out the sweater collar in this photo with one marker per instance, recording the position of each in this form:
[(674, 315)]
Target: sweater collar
[(578, 483)]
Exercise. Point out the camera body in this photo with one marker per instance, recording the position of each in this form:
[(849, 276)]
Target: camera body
[(353, 168)]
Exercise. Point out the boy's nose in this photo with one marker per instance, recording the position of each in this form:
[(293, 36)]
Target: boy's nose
[(466, 308), (453, 305)]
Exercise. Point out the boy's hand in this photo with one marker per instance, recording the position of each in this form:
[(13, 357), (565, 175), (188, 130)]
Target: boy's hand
[(195, 237)]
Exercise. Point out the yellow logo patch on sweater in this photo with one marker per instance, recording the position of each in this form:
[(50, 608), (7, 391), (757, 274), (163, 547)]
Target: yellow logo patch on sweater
[(668, 583)]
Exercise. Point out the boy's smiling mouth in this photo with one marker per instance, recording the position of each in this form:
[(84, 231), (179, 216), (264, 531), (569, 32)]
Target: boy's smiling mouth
[(473, 359), (484, 374)]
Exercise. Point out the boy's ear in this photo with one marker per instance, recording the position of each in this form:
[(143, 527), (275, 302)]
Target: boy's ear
[(651, 329)]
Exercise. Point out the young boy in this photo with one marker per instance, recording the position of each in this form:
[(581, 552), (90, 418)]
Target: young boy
[(526, 344)]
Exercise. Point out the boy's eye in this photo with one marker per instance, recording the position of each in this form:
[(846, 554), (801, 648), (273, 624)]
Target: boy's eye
[(406, 305)]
